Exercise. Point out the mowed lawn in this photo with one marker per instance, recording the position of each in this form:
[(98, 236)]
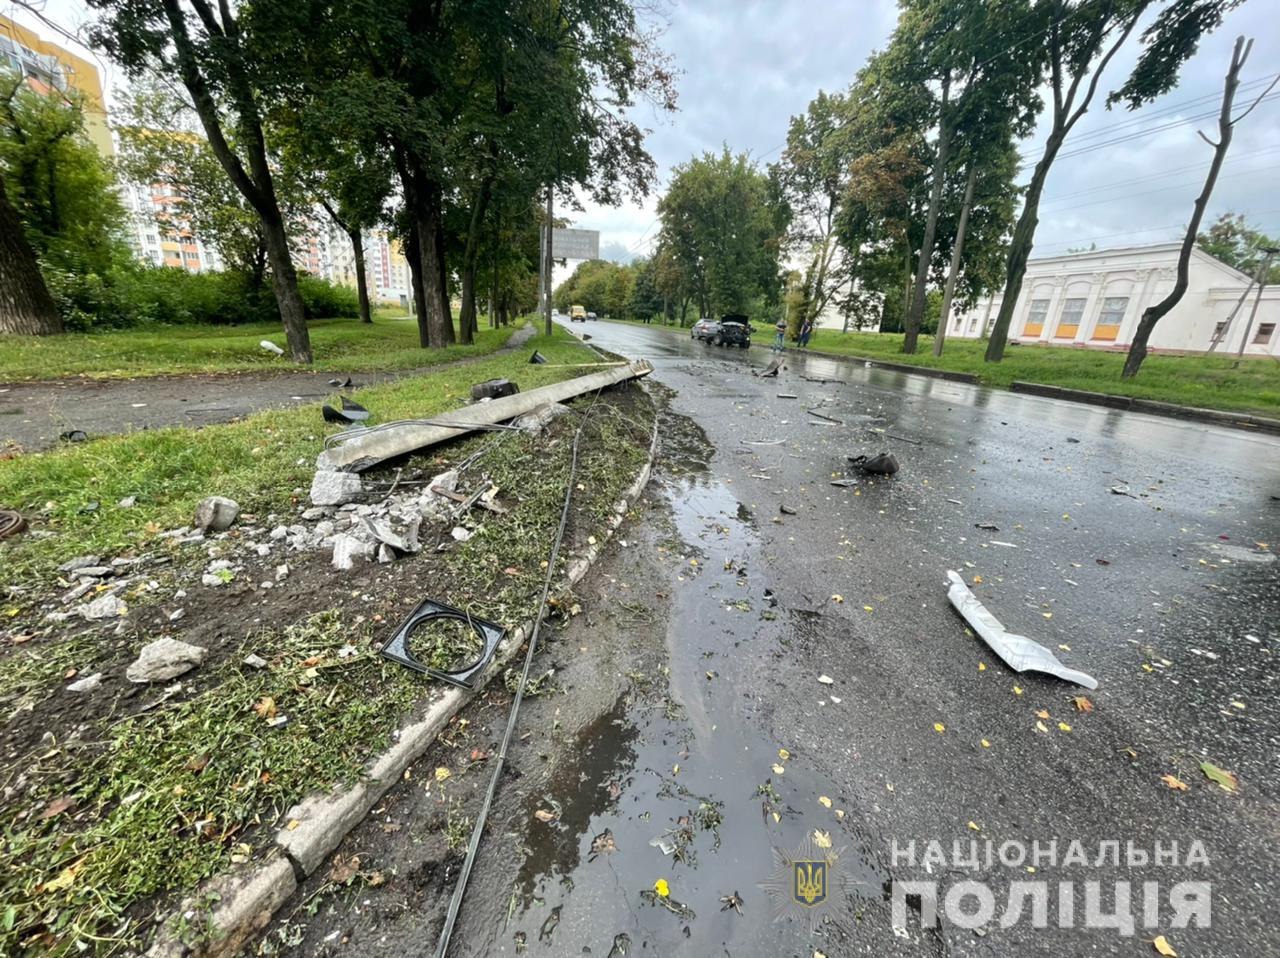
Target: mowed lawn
[(258, 461), (338, 345), (1214, 382)]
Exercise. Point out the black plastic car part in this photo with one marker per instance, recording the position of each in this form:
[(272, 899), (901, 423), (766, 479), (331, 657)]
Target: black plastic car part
[(397, 648)]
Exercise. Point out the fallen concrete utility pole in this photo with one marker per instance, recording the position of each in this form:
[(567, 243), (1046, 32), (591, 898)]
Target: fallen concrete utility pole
[(367, 449)]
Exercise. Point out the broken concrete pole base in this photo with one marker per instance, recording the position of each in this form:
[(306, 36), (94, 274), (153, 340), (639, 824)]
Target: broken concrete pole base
[(216, 513), (330, 488), (164, 659), (346, 549), (537, 420), (494, 389)]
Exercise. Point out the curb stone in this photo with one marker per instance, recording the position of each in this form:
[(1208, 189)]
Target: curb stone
[(245, 900), (1154, 407)]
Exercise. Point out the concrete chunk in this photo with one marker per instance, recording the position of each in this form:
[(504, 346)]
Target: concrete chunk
[(330, 488)]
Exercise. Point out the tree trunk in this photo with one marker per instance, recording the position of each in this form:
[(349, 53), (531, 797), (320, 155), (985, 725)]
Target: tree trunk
[(413, 253), (434, 316), (25, 304), (362, 282), (285, 283), (915, 316), (447, 337), (470, 254), (954, 269), (1024, 234), (1226, 126)]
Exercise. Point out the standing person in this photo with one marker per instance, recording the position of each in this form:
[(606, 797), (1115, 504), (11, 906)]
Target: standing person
[(780, 340), (805, 332)]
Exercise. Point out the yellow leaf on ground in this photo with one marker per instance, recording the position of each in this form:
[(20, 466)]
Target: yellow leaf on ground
[(266, 707), (1082, 704), (1047, 615), (66, 878), (778, 769), (1064, 727), (982, 666), (837, 598), (824, 801), (985, 743), (977, 580), (662, 888), (975, 826), (1043, 713), (821, 839), (442, 773), (545, 815), (939, 727), (1017, 690), (1175, 783), (1162, 946), (867, 608), (1041, 727), (783, 754), (1064, 647)]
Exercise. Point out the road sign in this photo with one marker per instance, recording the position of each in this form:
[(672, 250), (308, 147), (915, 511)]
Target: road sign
[(575, 244)]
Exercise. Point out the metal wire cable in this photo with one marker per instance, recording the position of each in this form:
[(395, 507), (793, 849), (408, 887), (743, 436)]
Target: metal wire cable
[(455, 903)]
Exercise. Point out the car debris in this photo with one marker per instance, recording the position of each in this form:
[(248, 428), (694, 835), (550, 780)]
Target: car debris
[(771, 371), (494, 389), (786, 510), (883, 464), (361, 451), (830, 419), (844, 483), (351, 411), (986, 526), (74, 435), (341, 383), (1017, 651), (537, 359), (397, 648), (787, 396)]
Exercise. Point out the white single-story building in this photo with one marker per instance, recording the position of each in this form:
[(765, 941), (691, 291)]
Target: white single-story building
[(1095, 299)]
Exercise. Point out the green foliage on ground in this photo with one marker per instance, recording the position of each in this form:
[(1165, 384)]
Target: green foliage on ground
[(340, 345)]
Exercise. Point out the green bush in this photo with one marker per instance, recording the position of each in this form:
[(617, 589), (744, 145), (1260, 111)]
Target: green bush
[(134, 294)]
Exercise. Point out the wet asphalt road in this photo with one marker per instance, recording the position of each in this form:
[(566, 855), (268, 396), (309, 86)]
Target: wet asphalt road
[(1167, 596)]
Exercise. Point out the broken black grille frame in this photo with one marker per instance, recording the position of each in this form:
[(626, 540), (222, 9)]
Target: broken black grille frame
[(397, 648)]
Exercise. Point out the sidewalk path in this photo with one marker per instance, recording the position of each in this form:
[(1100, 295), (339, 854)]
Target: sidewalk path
[(34, 415)]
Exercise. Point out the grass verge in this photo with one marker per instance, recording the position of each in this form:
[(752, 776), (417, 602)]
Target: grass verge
[(339, 345), (110, 825), (1205, 382), (260, 462)]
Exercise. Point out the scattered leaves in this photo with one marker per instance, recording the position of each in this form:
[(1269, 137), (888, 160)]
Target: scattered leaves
[(821, 839), (545, 815), (824, 801), (1175, 783), (1162, 947), (1225, 780), (662, 888), (58, 806), (1064, 727), (1082, 704), (266, 707), (939, 727), (442, 773)]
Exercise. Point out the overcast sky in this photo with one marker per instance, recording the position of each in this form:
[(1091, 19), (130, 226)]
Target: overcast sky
[(747, 66)]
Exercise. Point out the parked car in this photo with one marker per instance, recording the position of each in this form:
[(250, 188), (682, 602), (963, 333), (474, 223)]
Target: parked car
[(592, 316), (577, 314), (705, 329), (735, 330)]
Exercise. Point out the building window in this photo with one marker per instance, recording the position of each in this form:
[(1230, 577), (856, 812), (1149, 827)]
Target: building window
[(1110, 318), (1263, 335), (1218, 331), (1069, 321), (1035, 317)]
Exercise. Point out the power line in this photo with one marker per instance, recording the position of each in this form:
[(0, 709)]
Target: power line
[(1162, 189), (1053, 198)]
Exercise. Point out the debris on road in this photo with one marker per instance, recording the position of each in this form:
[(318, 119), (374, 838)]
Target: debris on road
[(786, 510), (883, 464), (368, 448), (86, 684), (787, 396), (74, 435), (844, 483), (341, 383), (215, 514), (537, 359), (164, 659), (986, 526), (771, 370), (397, 647), (826, 418), (271, 347), (1017, 651)]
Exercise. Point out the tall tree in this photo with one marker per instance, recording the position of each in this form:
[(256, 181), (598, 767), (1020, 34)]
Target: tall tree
[(1226, 129), (25, 303), (723, 224), (813, 176), (228, 76), (1081, 39), (1231, 239)]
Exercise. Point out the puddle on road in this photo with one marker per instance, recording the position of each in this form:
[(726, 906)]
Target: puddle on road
[(676, 782)]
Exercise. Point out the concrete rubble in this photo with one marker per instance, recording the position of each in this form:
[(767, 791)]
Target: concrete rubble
[(215, 514), (164, 659)]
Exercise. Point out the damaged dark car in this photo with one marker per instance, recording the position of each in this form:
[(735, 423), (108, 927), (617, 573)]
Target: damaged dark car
[(735, 330)]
